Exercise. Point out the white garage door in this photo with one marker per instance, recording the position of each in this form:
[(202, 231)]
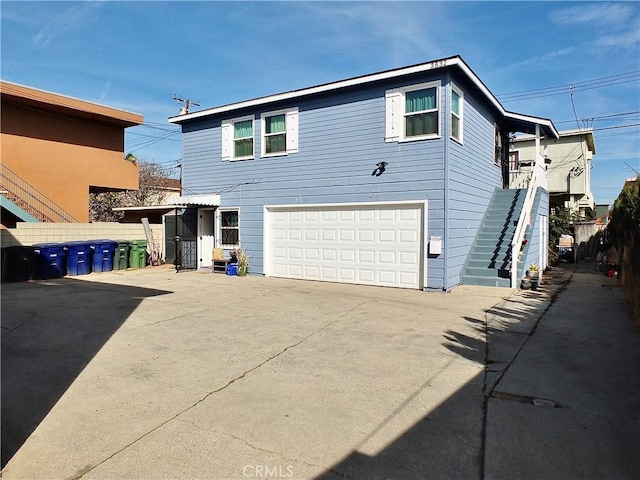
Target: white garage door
[(371, 244)]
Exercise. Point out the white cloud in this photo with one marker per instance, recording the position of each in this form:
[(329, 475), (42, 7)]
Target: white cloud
[(105, 91), (540, 62), (624, 39), (595, 14), (66, 21)]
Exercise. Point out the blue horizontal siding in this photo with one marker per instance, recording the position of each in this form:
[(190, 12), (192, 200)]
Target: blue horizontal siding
[(341, 138), (472, 179)]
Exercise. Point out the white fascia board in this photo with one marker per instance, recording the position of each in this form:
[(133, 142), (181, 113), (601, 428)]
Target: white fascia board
[(304, 206)]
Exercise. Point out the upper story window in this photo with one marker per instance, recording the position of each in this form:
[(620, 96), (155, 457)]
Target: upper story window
[(412, 113), (456, 113), (237, 139), (275, 134), (514, 161), (280, 132)]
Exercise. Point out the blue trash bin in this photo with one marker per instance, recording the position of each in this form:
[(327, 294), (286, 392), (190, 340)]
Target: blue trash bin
[(50, 260), (78, 258), (103, 251), (232, 269)]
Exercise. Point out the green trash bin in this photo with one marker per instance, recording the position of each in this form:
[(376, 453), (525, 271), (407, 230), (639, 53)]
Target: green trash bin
[(121, 255), (138, 256)]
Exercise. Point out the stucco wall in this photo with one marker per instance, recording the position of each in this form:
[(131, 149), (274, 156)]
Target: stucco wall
[(63, 156)]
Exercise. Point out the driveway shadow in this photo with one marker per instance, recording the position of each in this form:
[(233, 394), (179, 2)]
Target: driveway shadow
[(51, 330)]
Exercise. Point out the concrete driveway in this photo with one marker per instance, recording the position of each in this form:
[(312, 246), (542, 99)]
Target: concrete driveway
[(153, 374)]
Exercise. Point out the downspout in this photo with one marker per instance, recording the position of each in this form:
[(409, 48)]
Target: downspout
[(446, 137)]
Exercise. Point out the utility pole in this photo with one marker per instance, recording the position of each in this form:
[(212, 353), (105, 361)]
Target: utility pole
[(187, 103)]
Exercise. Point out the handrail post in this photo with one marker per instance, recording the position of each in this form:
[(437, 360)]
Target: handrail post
[(537, 179)]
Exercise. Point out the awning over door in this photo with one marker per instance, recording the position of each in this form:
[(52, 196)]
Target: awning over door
[(204, 200)]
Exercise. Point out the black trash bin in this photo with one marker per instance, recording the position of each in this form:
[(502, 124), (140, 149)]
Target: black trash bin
[(121, 255), (103, 251), (50, 260), (18, 263), (78, 258)]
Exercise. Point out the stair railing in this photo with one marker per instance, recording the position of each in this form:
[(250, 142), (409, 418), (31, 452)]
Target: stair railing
[(538, 179), (33, 201)]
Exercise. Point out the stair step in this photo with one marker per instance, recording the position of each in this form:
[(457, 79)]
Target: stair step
[(486, 281)]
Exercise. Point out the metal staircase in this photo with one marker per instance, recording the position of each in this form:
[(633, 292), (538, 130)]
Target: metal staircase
[(489, 262), (25, 196)]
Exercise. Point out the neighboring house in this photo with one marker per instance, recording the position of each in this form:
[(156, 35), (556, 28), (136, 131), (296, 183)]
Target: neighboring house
[(155, 206), (383, 179), (568, 168), (56, 150)]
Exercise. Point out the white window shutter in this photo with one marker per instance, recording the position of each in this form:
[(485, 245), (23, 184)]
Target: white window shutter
[(292, 130), (227, 139), (393, 115)]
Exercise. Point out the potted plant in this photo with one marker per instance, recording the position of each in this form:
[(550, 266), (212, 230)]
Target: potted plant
[(243, 262), (533, 273)]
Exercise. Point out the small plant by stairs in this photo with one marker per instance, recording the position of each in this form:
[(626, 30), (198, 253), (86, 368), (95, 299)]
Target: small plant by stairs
[(490, 259)]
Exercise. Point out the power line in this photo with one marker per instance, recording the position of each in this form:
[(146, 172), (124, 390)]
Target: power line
[(601, 82), (601, 117)]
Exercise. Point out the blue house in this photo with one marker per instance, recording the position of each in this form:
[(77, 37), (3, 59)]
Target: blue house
[(397, 178)]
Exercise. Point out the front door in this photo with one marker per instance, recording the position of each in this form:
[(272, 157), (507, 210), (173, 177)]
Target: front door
[(205, 236), (180, 238)]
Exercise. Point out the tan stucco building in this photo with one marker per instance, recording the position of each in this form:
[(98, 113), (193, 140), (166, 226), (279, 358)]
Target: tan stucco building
[(569, 161), (56, 150)]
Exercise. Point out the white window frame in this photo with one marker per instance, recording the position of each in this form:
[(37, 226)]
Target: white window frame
[(228, 140), (515, 161), (291, 132), (395, 113), (219, 227), (497, 159), (459, 116)]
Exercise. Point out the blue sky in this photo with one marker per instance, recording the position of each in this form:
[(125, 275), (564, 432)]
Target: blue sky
[(137, 55)]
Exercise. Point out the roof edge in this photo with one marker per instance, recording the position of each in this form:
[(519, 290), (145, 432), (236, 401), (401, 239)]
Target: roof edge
[(447, 62), (42, 97)]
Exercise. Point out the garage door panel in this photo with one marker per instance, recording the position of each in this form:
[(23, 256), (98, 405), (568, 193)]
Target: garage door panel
[(367, 236), (366, 256), (311, 234), (329, 235), (348, 235), (329, 254), (312, 272), (366, 216), (374, 245), (312, 254), (347, 255), (408, 258), (347, 274), (387, 277)]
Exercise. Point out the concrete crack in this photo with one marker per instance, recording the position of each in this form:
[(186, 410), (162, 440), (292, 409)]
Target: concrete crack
[(213, 392), (251, 445), (538, 402)]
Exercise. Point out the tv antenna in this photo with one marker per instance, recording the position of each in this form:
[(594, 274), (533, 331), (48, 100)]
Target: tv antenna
[(186, 102)]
